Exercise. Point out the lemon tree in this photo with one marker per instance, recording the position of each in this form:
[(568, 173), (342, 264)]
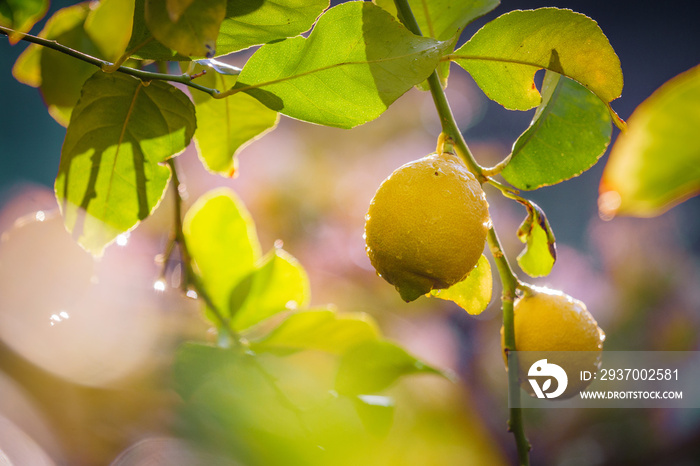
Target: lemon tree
[(426, 228)]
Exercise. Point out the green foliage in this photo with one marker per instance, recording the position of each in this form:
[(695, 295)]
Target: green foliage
[(21, 15), (443, 20), (322, 330), (540, 253), (109, 26), (356, 62), (655, 164), (277, 284), (504, 55), (375, 365), (255, 22), (110, 176), (59, 77), (226, 126), (190, 30), (473, 294), (222, 242), (569, 133)]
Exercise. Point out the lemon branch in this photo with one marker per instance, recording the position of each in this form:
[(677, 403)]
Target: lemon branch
[(111, 67), (191, 278), (509, 280)]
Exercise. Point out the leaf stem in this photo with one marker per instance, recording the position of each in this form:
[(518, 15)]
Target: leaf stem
[(189, 276), (103, 64), (508, 278)]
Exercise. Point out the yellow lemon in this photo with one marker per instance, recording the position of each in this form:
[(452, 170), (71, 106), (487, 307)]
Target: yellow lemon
[(426, 225), (549, 320)]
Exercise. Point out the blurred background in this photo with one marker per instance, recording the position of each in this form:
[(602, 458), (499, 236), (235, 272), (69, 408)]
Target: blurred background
[(85, 346)]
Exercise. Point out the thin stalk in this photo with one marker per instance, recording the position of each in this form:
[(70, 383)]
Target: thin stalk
[(102, 64), (509, 280), (189, 276)]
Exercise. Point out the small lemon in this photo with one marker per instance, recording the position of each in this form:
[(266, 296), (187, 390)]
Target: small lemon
[(549, 320), (426, 226)]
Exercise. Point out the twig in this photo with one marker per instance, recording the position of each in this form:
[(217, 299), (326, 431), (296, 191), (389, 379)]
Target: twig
[(103, 64)]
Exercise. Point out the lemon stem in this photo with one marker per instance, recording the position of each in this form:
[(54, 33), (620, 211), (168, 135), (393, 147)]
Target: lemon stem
[(508, 278), (447, 119)]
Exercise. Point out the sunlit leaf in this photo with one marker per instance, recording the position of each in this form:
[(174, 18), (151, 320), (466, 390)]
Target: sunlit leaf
[(194, 32), (540, 253), (503, 56), (110, 176), (442, 19), (375, 365), (322, 330), (376, 412), (279, 284), (21, 15), (255, 22), (222, 241), (109, 26), (142, 44), (226, 126), (356, 62), (59, 76), (655, 164), (569, 133), (473, 294)]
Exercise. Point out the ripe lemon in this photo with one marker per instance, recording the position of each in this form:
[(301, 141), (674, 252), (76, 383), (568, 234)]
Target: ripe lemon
[(426, 226), (549, 320)]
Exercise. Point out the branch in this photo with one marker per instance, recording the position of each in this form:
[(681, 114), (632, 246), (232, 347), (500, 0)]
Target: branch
[(509, 280), (189, 276), (105, 65)]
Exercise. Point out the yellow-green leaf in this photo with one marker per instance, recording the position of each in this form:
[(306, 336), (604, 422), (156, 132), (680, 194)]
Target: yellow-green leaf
[(540, 253), (280, 283), (473, 294), (226, 126), (321, 330), (195, 31), (21, 15), (222, 241), (504, 55), (354, 64), (59, 76), (655, 164), (569, 133), (109, 26), (111, 174)]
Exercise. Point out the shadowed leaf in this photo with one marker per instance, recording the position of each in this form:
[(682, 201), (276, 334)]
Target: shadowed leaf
[(110, 176)]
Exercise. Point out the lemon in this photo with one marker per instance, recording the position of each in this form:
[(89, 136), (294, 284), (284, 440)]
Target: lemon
[(549, 320), (426, 225)]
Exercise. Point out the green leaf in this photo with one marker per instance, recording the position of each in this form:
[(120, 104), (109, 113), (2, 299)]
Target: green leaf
[(109, 26), (59, 76), (21, 15), (376, 413), (473, 294), (321, 330), (279, 284), (142, 44), (569, 133), (375, 365), (226, 126), (176, 8), (110, 176), (356, 62), (442, 19), (655, 164), (196, 362), (503, 56), (540, 253), (194, 31), (255, 22), (222, 241)]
